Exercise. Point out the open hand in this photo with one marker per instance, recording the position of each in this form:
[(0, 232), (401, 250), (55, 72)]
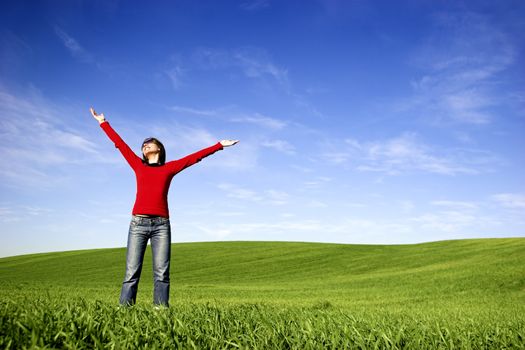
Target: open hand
[(100, 117), (227, 143)]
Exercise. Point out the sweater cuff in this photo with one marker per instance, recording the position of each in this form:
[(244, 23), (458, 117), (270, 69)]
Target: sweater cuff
[(219, 146)]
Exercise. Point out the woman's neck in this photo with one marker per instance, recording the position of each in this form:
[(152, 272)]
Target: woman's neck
[(154, 158)]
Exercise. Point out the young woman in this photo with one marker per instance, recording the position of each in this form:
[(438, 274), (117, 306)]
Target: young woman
[(150, 215)]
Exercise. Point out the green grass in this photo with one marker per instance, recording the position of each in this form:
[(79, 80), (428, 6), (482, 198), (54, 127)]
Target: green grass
[(451, 294)]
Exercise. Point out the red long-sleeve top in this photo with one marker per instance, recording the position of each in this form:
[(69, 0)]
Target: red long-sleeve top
[(153, 182)]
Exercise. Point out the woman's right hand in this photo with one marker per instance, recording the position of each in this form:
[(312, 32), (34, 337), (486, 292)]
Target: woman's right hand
[(100, 117)]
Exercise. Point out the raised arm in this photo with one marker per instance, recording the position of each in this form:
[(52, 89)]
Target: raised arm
[(189, 160), (130, 156)]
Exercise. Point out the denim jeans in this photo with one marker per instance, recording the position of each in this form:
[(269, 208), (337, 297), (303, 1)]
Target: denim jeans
[(141, 229)]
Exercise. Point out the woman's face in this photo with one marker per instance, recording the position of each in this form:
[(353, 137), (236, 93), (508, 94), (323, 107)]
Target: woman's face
[(150, 148)]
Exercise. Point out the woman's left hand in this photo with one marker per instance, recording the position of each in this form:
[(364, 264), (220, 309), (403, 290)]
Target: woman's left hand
[(227, 143)]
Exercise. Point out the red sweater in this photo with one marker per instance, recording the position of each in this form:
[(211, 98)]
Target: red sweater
[(153, 182)]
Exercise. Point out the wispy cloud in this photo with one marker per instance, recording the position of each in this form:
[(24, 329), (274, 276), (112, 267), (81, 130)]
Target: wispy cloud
[(74, 48), (406, 154), (40, 134), (232, 114), (190, 110), (14, 51), (510, 200), (19, 213), (42, 141), (181, 139), (445, 221), (257, 229), (463, 60), (184, 138), (277, 197), (237, 192), (8, 215), (255, 5), (260, 120), (264, 228), (175, 74), (256, 63), (292, 228), (317, 182), (253, 62), (280, 146), (455, 204), (271, 196), (452, 217)]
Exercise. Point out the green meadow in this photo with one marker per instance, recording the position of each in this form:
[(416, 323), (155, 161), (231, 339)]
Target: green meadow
[(467, 294)]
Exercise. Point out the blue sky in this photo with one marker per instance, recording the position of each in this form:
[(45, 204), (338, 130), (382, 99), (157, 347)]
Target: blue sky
[(360, 121)]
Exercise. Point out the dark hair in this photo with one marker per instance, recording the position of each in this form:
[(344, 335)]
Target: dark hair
[(162, 153)]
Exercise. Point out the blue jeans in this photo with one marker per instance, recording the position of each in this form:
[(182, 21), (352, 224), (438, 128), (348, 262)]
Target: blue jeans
[(141, 229)]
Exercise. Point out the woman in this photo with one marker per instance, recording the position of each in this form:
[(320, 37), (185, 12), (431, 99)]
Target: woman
[(150, 215)]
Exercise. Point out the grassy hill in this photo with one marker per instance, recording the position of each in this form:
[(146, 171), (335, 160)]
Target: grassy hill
[(465, 294), (466, 274)]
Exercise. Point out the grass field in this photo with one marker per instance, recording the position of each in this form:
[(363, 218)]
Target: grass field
[(451, 294)]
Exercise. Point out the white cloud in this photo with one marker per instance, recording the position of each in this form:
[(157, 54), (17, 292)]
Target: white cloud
[(312, 230), (317, 182), (175, 76), (24, 176), (336, 157), (468, 106), (463, 218), (277, 197), (510, 200), (181, 139), (73, 46), (234, 115), (244, 157), (38, 136), (21, 213), (237, 192), (279, 227), (405, 154), (254, 230), (406, 206), (260, 120), (14, 51), (253, 62), (32, 105), (190, 110), (280, 145), (215, 232), (270, 196), (36, 139), (313, 203), (463, 60), (255, 5), (445, 221), (7, 214), (256, 63), (455, 204), (230, 213)]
